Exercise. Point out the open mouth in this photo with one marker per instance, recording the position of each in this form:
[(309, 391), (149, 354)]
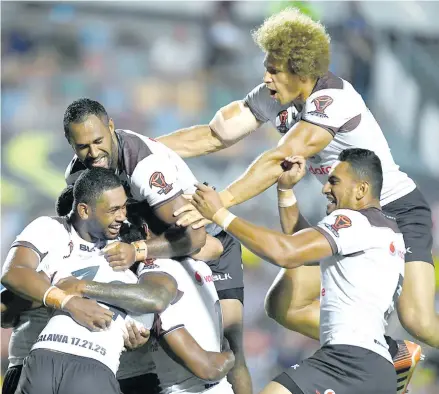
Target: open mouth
[(272, 93), (99, 162), (332, 200), (115, 228)]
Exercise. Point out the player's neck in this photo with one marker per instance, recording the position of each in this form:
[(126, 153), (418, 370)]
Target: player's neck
[(368, 204), (81, 229), (308, 87)]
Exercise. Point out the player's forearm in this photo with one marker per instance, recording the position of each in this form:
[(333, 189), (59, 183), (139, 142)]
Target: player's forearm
[(26, 283), (193, 141), (218, 365), (212, 250), (288, 211), (135, 298), (261, 174), (176, 242)]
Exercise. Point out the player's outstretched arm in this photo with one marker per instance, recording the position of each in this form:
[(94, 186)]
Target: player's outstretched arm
[(209, 366), (152, 294), (303, 139), (212, 250), (229, 125), (287, 251)]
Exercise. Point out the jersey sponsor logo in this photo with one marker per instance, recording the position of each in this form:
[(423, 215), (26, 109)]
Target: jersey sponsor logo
[(203, 279), (86, 248), (323, 291), (70, 245), (217, 277), (393, 251), (322, 170), (321, 103), (158, 180)]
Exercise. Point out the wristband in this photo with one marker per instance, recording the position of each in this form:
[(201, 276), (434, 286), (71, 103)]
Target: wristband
[(141, 250), (54, 297), (286, 198), (223, 218), (66, 300)]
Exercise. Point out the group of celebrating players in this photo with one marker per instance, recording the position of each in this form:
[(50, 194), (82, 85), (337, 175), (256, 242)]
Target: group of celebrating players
[(136, 286)]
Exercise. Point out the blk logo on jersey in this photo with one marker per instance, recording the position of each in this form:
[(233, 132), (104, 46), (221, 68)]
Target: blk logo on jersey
[(158, 180), (321, 103)]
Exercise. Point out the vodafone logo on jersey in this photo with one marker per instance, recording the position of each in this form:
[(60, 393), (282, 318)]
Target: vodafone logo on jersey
[(203, 279), (393, 251), (322, 170)]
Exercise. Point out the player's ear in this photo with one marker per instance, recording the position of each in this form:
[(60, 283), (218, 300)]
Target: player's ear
[(83, 211), (362, 190), (111, 126)]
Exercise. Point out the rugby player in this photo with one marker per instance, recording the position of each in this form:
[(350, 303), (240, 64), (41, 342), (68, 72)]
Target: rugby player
[(79, 348), (362, 265), (157, 176), (317, 114)]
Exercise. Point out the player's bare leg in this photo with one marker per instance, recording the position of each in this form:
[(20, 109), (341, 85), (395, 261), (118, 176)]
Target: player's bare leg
[(292, 300), (275, 388), (239, 376), (416, 309)]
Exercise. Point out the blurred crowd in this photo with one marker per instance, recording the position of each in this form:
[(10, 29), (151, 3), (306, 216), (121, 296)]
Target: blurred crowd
[(157, 72)]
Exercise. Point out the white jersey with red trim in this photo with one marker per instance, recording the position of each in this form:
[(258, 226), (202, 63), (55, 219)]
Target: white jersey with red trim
[(62, 254), (335, 106), (363, 279), (197, 309), (151, 171)]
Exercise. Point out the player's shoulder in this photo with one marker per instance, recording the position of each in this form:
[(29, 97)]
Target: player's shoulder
[(73, 170), (53, 226), (331, 88), (136, 147)]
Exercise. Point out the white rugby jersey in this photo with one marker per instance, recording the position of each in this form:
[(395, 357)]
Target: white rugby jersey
[(150, 171), (63, 253), (363, 279), (335, 106), (197, 309)]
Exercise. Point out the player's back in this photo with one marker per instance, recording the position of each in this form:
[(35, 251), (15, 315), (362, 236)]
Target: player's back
[(362, 281), (62, 333), (197, 309)]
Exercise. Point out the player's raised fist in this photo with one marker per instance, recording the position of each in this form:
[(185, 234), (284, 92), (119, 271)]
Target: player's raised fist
[(296, 171)]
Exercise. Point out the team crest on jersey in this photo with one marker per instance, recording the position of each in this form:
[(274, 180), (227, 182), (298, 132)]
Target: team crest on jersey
[(341, 221), (149, 264), (321, 103), (158, 180)]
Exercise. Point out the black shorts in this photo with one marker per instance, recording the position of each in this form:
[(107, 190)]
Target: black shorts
[(341, 369), (413, 216), (10, 381), (148, 383), (228, 274), (46, 371)]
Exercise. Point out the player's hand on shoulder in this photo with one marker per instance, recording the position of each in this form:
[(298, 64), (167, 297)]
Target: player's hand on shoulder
[(89, 313), (135, 338), (71, 285), (120, 255), (294, 170)]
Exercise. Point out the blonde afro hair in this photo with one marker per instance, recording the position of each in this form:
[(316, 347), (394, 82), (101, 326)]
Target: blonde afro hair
[(292, 37)]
